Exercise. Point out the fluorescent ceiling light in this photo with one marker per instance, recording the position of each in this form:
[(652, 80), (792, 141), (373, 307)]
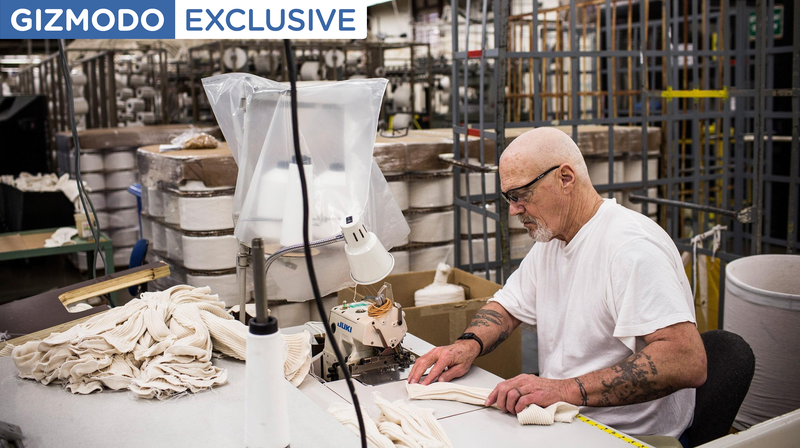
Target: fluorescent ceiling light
[(376, 2)]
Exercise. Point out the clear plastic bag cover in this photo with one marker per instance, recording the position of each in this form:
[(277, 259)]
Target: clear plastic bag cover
[(337, 134)]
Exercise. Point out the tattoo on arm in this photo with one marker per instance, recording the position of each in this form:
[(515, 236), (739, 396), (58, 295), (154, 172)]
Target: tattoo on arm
[(486, 318), (636, 382), (584, 395), (502, 337)]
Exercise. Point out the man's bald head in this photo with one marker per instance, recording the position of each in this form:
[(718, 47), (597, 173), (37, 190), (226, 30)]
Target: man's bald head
[(537, 150)]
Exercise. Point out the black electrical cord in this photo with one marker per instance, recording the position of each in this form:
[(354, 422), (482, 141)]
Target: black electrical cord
[(84, 197), (307, 247)]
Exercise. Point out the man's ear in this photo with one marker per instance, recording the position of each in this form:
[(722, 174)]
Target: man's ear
[(566, 178)]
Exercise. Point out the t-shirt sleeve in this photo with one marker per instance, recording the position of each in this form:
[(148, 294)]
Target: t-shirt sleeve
[(650, 290), (518, 295)]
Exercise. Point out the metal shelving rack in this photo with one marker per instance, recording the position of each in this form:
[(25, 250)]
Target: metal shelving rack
[(729, 121)]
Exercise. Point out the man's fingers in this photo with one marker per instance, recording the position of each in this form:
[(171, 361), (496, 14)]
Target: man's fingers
[(420, 366), (492, 398), (511, 399), (451, 373), (436, 370), (502, 395), (524, 402)]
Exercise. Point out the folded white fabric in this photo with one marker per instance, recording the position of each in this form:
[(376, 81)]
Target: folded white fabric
[(531, 415), (399, 425), (61, 237), (156, 346)]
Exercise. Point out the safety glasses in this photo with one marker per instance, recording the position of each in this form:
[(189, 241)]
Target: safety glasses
[(510, 196)]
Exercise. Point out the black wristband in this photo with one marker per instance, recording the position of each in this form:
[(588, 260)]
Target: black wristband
[(474, 337)]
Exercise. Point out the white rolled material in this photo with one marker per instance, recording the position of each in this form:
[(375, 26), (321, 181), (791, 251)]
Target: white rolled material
[(78, 78), (400, 192), (478, 255), (120, 179), (402, 97), (95, 181), (762, 305), (477, 221), (212, 213), (140, 67), (521, 244), (401, 259), (133, 105), (431, 227), (175, 245), (98, 200), (146, 117), (401, 121), (91, 161), (124, 93), (119, 160), (119, 199), (81, 105), (633, 169), (147, 229), (224, 286), (309, 71), (126, 217), (155, 202), (209, 253), (475, 182), (120, 106), (124, 117), (172, 210), (426, 193), (120, 80), (124, 237), (122, 67), (598, 172), (122, 256), (428, 258), (159, 237), (145, 92), (439, 291), (102, 220), (137, 80)]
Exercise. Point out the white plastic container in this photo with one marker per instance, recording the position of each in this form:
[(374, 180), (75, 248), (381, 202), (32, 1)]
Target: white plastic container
[(762, 305)]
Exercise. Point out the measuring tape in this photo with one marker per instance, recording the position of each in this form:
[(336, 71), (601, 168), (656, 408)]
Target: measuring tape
[(610, 431)]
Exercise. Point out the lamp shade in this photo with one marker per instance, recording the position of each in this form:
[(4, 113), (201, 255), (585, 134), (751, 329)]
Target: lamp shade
[(369, 261)]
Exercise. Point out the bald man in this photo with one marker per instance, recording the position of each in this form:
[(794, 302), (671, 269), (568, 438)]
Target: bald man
[(606, 290)]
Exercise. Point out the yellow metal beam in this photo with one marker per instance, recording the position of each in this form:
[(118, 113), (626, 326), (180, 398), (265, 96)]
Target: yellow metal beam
[(695, 93)]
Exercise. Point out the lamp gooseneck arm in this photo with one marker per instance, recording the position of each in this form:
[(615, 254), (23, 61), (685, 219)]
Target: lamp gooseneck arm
[(261, 302)]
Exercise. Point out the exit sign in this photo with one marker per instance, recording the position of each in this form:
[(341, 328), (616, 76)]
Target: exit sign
[(777, 23)]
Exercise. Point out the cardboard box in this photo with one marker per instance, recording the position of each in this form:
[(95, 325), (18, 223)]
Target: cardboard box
[(442, 324)]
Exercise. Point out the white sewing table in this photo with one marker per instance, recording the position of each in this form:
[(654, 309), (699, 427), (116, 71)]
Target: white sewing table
[(50, 416)]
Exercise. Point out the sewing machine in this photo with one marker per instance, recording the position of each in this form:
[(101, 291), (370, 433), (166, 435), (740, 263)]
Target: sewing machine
[(370, 333)]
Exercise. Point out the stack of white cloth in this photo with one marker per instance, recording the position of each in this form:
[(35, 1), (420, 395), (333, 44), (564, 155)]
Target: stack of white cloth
[(399, 424), (43, 183), (156, 346), (61, 237), (531, 415), (439, 291)]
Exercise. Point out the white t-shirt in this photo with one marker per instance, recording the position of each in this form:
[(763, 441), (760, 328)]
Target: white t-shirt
[(620, 278)]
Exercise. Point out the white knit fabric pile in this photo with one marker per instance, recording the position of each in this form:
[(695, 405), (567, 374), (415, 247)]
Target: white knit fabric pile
[(156, 346), (531, 415), (399, 425)]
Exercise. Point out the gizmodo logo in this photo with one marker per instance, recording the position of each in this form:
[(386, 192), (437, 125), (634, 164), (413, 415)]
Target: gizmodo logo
[(57, 20)]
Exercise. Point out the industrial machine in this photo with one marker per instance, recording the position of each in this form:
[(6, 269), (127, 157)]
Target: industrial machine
[(370, 333)]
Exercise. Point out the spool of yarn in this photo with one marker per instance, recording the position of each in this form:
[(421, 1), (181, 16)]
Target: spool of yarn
[(125, 217), (433, 192), (81, 105), (159, 237), (431, 227), (172, 210), (309, 71), (98, 201), (124, 237), (122, 67), (120, 80), (122, 256), (91, 161), (402, 97), (120, 106), (120, 179), (428, 258), (124, 93), (123, 117), (95, 181), (475, 182), (478, 254), (196, 252), (140, 67), (78, 78), (175, 244), (439, 291), (155, 202), (145, 92), (234, 58), (211, 213), (119, 199), (119, 160), (334, 58), (102, 220), (133, 105), (224, 286), (521, 244), (146, 117), (476, 221), (400, 262), (137, 80)]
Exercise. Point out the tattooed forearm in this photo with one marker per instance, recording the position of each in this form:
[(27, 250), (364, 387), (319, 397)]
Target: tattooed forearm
[(486, 318), (500, 338), (584, 395), (636, 381)]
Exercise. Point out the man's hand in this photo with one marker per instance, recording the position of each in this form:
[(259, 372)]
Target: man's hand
[(516, 394), (456, 358)]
